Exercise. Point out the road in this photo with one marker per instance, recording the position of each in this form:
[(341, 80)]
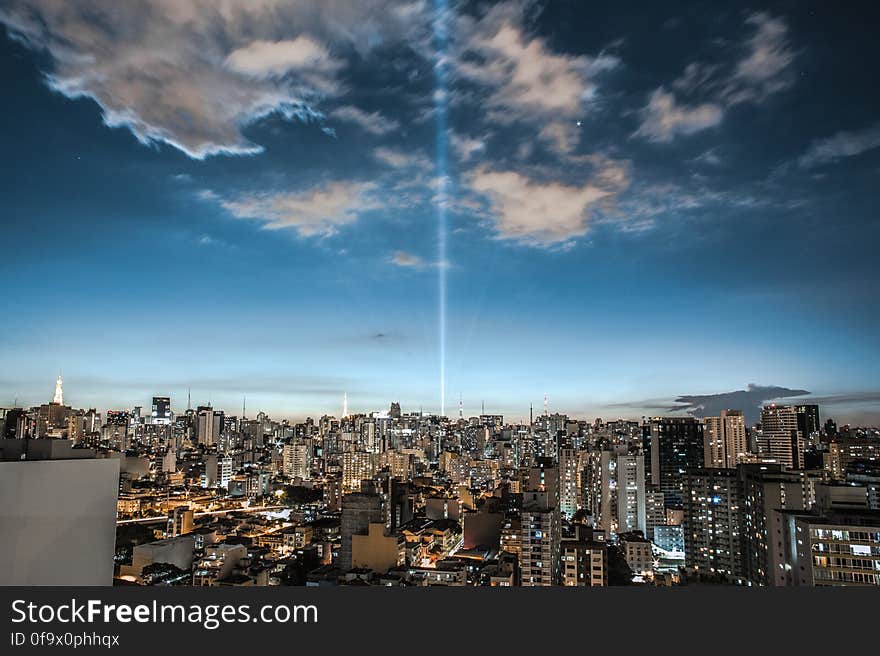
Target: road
[(159, 518)]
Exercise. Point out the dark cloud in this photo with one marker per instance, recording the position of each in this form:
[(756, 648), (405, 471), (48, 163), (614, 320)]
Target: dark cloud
[(748, 400), (848, 398)]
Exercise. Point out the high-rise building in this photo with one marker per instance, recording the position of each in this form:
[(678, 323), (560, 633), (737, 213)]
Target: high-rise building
[(210, 425), (712, 521), (296, 460), (672, 445), (357, 466), (837, 548), (733, 520), (780, 440), (569, 460), (808, 421), (161, 412), (539, 540), (358, 512), (655, 511), (630, 490), (767, 489), (726, 441)]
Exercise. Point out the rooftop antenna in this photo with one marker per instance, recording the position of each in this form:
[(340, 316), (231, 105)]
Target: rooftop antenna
[(460, 408), (188, 399), (545, 405), (344, 405), (243, 405), (531, 415)]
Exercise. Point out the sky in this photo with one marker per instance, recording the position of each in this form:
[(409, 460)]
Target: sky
[(624, 204)]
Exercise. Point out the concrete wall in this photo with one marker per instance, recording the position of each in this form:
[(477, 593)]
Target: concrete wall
[(58, 521)]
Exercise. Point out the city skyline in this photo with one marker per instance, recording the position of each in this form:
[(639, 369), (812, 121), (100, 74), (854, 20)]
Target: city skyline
[(642, 206), (749, 402)]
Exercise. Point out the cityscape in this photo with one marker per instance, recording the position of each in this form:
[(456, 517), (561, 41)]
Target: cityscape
[(202, 497), (439, 293)]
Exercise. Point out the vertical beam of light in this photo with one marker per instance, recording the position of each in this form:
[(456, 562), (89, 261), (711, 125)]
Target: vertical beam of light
[(441, 38)]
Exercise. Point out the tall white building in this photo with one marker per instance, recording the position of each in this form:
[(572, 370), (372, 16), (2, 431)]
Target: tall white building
[(631, 493), (297, 461), (780, 439), (569, 460), (726, 443)]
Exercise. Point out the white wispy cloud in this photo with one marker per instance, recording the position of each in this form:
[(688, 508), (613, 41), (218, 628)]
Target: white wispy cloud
[(663, 118), (765, 68), (843, 144), (404, 259), (762, 69), (372, 122), (464, 146), (320, 211), (523, 78), (402, 159)]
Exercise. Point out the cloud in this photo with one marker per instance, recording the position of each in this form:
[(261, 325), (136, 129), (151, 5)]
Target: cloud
[(748, 400), (843, 144), (373, 122), (404, 259), (534, 212), (464, 146), (400, 159), (315, 212), (523, 79), (710, 157), (663, 118), (763, 70), (194, 73), (871, 397), (276, 58)]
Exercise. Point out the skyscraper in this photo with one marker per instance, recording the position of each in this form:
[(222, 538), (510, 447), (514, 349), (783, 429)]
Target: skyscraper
[(631, 494), (781, 441), (726, 443), (210, 425), (712, 521), (161, 412), (540, 540), (672, 445), (569, 460)]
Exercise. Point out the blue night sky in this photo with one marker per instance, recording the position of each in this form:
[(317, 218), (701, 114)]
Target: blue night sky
[(642, 200)]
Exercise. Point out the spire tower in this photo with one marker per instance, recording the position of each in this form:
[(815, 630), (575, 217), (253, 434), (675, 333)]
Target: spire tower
[(59, 395)]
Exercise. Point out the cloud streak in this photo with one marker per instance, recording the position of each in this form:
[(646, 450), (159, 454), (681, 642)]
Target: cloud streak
[(315, 212), (839, 146), (762, 70)]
